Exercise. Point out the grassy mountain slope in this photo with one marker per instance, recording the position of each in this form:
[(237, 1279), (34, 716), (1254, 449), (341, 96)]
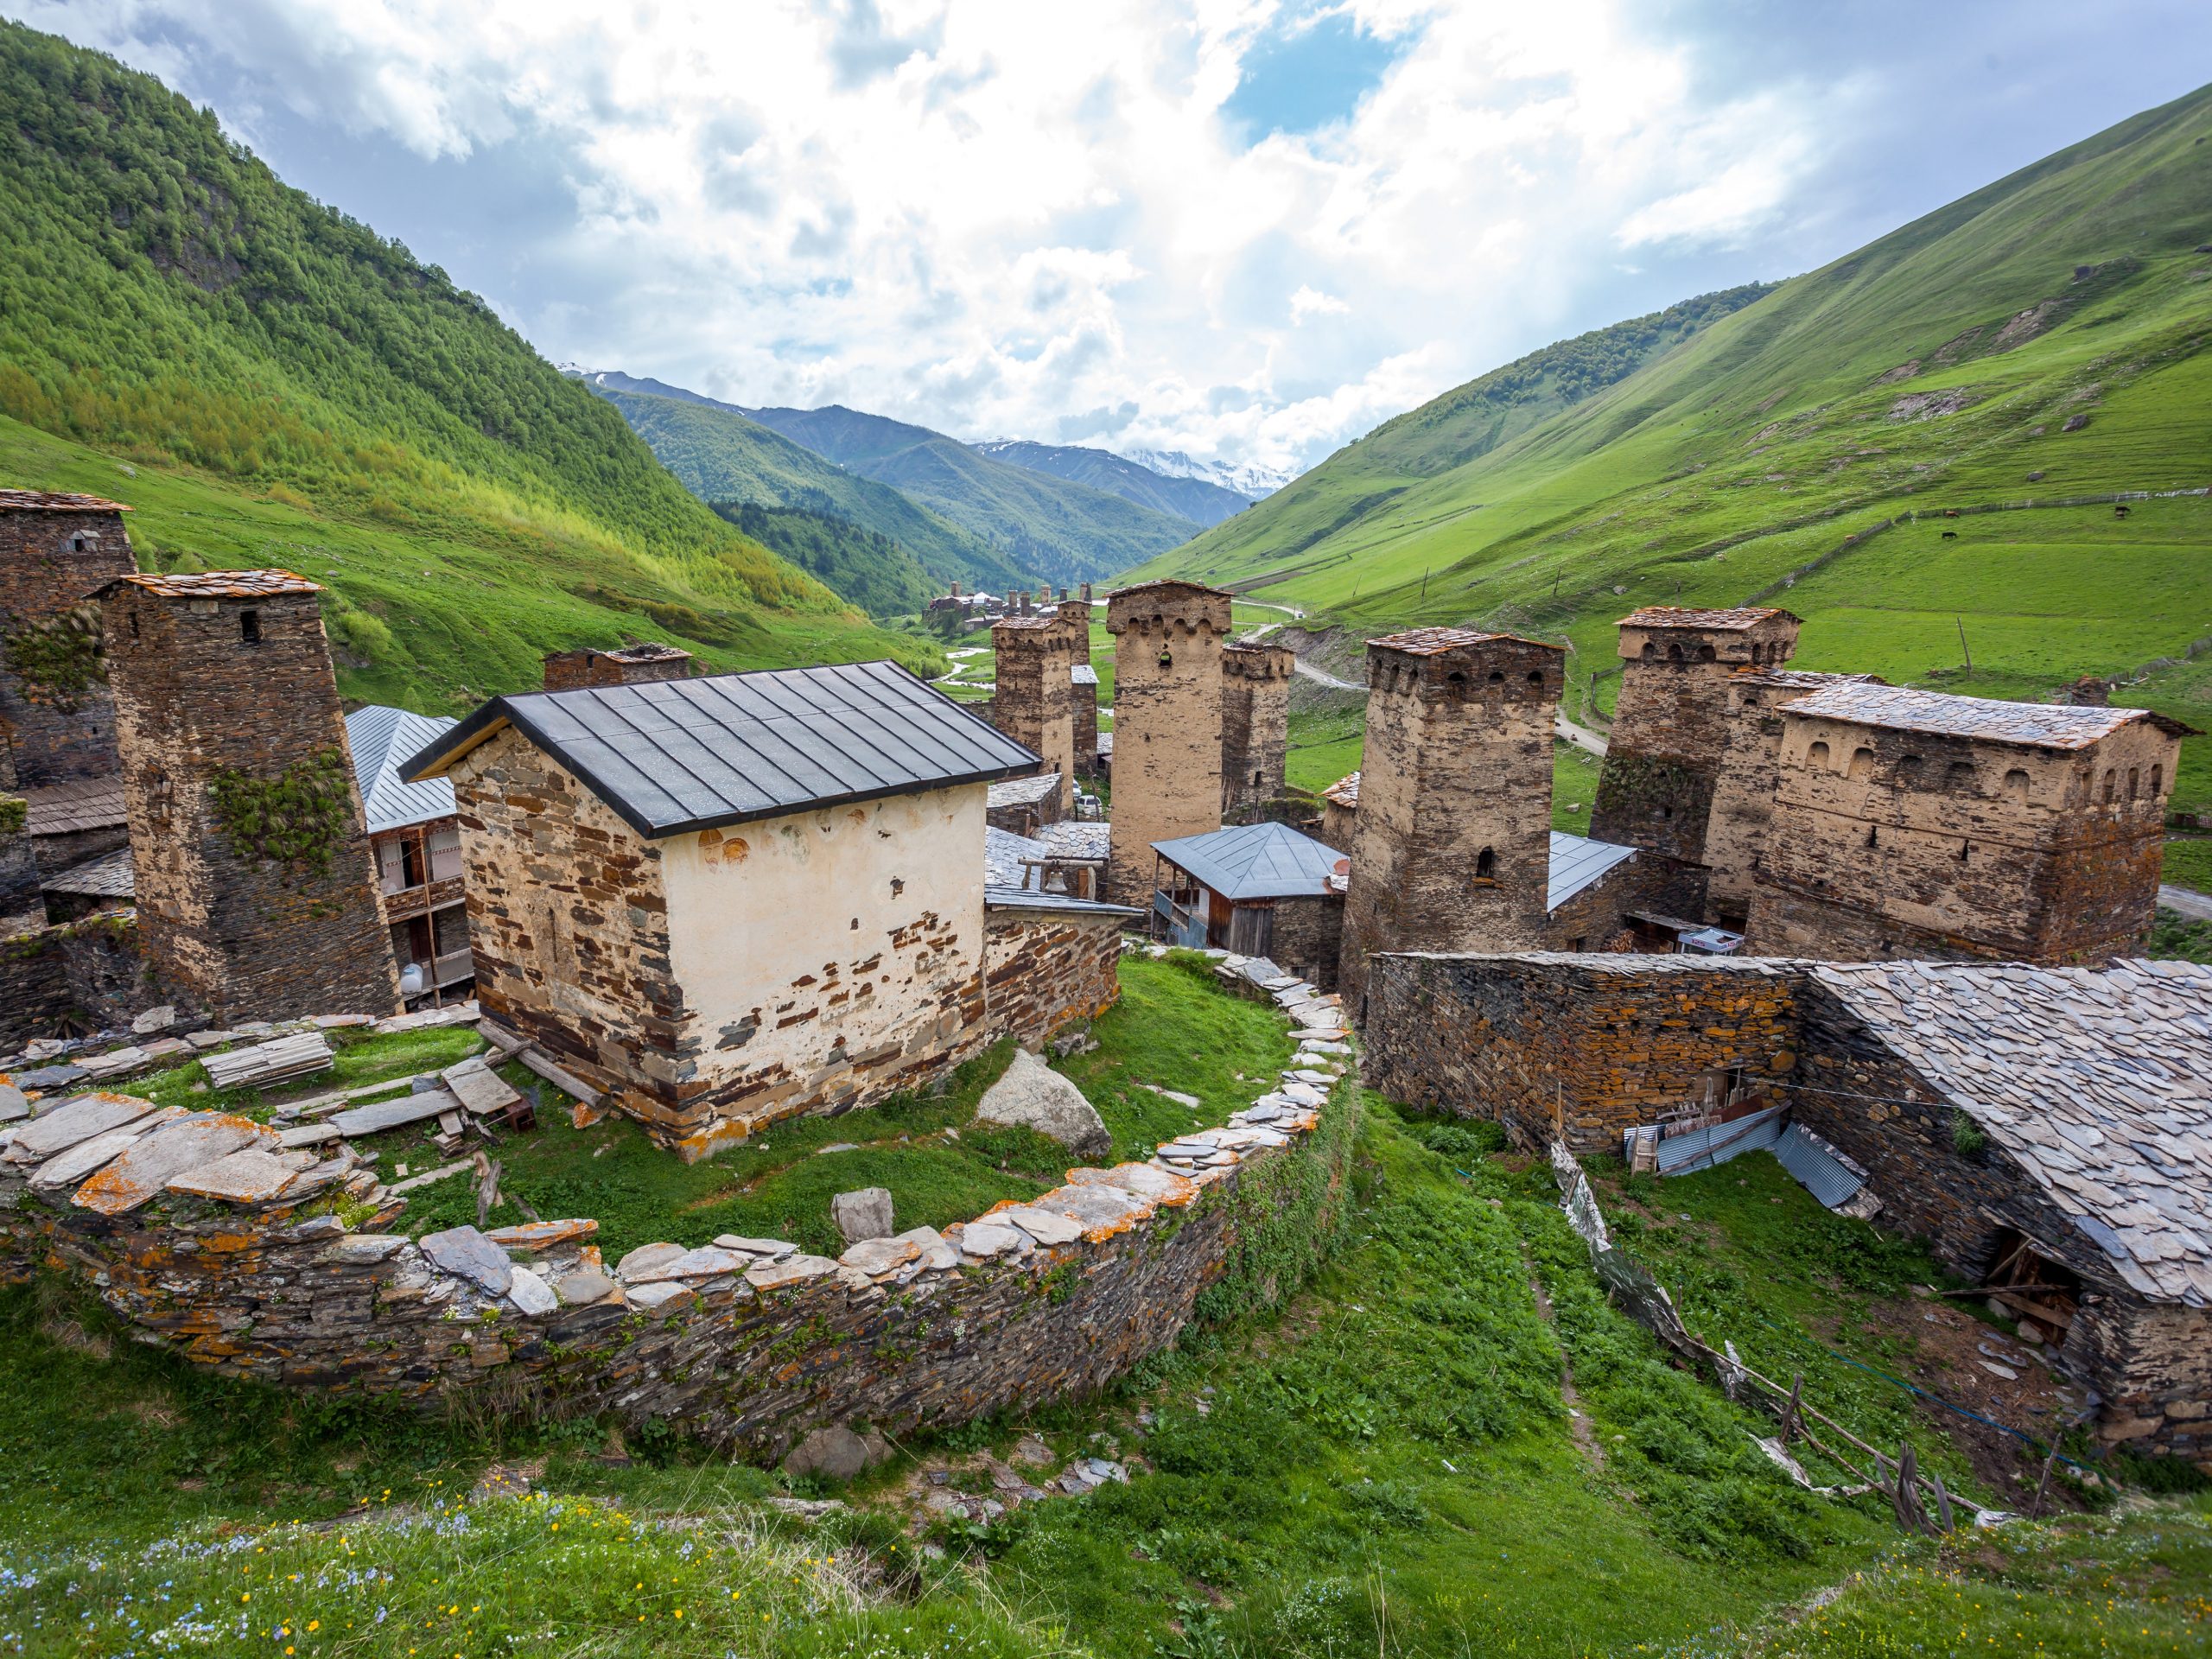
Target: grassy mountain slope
[(2040, 341), (722, 455), (1066, 532), (1180, 498), (288, 387)]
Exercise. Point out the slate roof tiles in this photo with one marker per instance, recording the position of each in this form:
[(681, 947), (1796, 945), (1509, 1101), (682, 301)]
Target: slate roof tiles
[(2040, 725)]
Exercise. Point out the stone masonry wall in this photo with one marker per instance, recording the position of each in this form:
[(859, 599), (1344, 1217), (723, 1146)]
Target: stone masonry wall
[(1308, 938), (1255, 728), (1671, 726), (2153, 1365), (43, 572), (1167, 680), (747, 1345), (1738, 826), (1580, 1046), (89, 969), (248, 936), (1452, 843), (1889, 842), (1045, 970)]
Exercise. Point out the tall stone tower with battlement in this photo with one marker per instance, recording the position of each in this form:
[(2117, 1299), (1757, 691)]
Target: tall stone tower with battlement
[(1034, 701), (1452, 848), (1254, 726), (1670, 734), (1167, 694), (256, 897), (57, 715)]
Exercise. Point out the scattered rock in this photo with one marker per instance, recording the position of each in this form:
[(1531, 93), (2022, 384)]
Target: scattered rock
[(1033, 1451), (466, 1253), (862, 1214), (579, 1290), (835, 1452), (1031, 1094), (1996, 1369)]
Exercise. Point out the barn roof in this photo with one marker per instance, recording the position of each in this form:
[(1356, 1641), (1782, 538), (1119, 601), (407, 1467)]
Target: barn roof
[(1256, 860), (2097, 1081), (672, 757), (1578, 862), (1431, 642), (56, 501), (382, 739), (216, 584), (1734, 620)]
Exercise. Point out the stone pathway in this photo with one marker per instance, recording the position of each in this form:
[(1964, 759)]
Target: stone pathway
[(2196, 907)]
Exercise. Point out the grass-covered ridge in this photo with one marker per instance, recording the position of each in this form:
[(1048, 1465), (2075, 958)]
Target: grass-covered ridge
[(270, 382), (2040, 341)]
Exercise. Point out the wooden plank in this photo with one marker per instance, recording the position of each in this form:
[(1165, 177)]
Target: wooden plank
[(287, 1056), (395, 1114), (480, 1087), (568, 1083)]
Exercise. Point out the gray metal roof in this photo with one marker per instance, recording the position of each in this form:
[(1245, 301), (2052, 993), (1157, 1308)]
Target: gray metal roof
[(382, 738), (672, 757), (1577, 863), (999, 898), (1255, 860), (2097, 1081)]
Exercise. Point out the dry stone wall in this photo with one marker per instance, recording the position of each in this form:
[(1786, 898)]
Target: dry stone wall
[(203, 1234)]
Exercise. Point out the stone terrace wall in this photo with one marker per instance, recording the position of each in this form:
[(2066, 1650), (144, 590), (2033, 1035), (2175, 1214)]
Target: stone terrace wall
[(1046, 969), (41, 574), (1582, 1046), (90, 968), (747, 1342)]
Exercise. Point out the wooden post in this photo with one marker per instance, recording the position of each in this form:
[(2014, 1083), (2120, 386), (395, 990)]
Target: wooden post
[(1961, 621), (1791, 1423), (2043, 1486), (1943, 1503)]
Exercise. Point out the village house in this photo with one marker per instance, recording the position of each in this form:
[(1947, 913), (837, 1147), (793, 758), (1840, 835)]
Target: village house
[(1256, 890), (1912, 823), (414, 837), (640, 664), (2048, 1131), (727, 900)]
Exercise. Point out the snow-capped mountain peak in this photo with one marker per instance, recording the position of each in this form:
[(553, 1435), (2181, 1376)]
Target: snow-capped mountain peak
[(1247, 481)]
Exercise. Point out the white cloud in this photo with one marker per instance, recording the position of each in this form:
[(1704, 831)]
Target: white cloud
[(989, 215)]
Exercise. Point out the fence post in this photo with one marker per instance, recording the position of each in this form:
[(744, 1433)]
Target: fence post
[(1791, 1423), (1943, 1503), (2043, 1486)]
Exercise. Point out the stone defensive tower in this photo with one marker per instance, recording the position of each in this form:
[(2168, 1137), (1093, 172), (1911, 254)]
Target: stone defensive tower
[(1167, 681), (256, 893), (57, 715), (1913, 823), (1670, 734), (566, 670), (1254, 726), (1452, 847), (1034, 701)]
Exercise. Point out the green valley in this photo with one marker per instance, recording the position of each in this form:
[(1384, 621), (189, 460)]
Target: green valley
[(268, 381), (2020, 358)]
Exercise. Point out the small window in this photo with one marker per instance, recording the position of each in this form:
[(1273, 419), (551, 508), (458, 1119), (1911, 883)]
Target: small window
[(2015, 786), (1674, 653), (1705, 653), (1965, 847), (1485, 864), (1255, 779), (2135, 778), (134, 624), (1874, 837), (2155, 772), (1496, 678), (1909, 770), (1650, 652), (1862, 763), (1959, 775), (250, 627), (2108, 785), (1535, 677), (1817, 756), (1455, 685)]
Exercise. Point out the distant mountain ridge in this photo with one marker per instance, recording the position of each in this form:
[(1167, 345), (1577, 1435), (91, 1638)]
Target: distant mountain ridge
[(880, 549), (1065, 531), (1253, 482), (1180, 496)]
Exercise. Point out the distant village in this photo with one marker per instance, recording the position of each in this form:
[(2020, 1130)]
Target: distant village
[(1892, 935)]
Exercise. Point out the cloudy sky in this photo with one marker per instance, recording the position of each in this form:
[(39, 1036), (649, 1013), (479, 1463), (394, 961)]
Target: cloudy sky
[(1250, 229)]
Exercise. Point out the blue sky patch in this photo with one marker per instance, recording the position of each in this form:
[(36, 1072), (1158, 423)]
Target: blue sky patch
[(1298, 78)]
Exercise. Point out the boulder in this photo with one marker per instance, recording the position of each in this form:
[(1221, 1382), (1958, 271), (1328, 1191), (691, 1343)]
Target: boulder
[(835, 1452), (863, 1214), (155, 1020), (1031, 1096)]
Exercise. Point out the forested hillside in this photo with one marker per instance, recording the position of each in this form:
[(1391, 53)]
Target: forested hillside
[(2019, 357), (866, 540), (268, 380), (1066, 532)]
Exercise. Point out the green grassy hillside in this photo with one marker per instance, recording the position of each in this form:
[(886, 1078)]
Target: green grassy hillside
[(725, 458), (1066, 532), (269, 381), (2038, 342)]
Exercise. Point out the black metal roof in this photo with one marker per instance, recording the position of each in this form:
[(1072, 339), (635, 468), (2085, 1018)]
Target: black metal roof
[(672, 757)]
